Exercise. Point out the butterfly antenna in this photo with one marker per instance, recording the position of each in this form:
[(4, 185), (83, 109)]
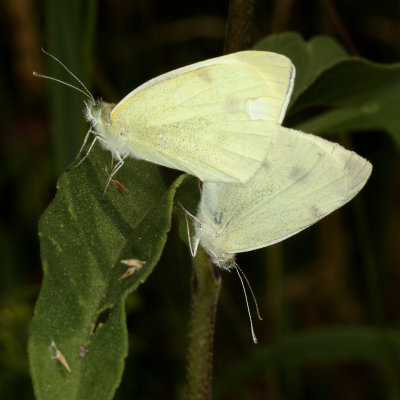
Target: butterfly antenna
[(39, 75), (247, 303), (251, 291), (85, 91)]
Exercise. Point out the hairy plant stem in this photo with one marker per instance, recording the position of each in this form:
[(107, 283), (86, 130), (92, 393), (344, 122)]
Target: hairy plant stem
[(206, 285)]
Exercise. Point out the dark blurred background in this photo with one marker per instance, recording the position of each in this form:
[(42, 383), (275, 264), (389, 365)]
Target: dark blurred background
[(344, 272)]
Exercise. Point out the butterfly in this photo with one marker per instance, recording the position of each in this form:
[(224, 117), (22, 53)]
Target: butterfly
[(212, 119), (302, 179)]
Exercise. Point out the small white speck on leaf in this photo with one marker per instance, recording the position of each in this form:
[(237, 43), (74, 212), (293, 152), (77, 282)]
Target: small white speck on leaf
[(133, 264), (82, 351), (58, 355)]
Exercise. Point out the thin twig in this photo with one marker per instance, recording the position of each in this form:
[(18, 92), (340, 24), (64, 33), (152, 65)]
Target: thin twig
[(238, 25), (341, 28), (206, 285)]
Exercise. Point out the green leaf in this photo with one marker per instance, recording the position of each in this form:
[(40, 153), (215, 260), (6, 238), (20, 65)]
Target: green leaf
[(336, 345), (81, 304), (311, 58), (354, 93), (364, 96)]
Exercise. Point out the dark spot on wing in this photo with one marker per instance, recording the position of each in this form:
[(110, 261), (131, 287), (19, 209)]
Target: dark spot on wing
[(217, 217), (233, 104), (204, 74), (316, 212), (297, 173), (265, 164)]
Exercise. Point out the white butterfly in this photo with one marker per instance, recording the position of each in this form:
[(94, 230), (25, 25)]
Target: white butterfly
[(303, 179), (212, 119)]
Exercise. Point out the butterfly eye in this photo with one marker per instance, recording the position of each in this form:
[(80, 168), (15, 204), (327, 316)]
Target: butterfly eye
[(95, 112), (225, 264)]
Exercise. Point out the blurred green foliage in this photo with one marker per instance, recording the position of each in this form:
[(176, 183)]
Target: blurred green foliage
[(342, 272)]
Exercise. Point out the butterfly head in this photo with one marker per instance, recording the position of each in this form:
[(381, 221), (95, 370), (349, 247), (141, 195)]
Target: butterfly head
[(98, 114), (227, 262), (93, 111), (220, 258)]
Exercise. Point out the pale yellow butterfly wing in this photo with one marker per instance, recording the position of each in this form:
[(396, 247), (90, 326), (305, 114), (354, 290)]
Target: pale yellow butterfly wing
[(211, 119), (303, 179)]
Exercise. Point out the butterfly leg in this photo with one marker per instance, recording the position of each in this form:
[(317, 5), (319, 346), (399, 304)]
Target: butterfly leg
[(193, 249), (83, 145), (114, 170)]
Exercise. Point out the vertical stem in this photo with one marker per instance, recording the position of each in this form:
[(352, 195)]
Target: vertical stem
[(238, 25), (206, 285), (340, 26), (274, 290)]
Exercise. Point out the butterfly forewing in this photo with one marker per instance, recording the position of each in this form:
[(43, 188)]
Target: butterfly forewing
[(213, 119), (302, 179)]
